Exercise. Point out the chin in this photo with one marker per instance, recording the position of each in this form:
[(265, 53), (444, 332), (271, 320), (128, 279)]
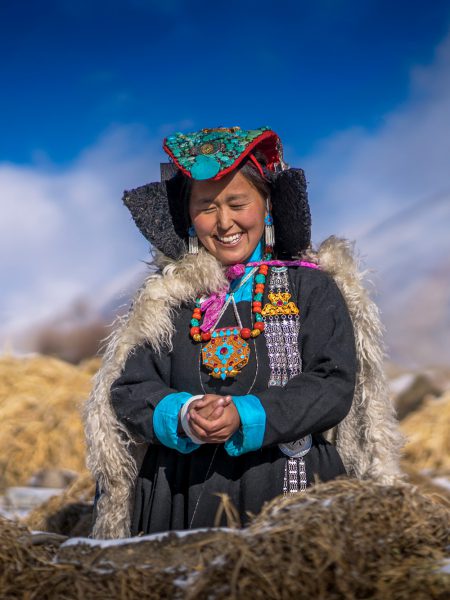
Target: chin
[(231, 258)]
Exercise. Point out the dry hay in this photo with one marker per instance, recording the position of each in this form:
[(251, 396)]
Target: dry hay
[(426, 484), (90, 365), (69, 513), (343, 539), (40, 401), (427, 430)]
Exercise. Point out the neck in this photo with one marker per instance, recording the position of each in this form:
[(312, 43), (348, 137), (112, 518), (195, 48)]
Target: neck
[(235, 272)]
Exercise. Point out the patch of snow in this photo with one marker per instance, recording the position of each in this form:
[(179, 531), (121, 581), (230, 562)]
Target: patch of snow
[(445, 567), (13, 515), (24, 498), (154, 537), (401, 383), (188, 580), (219, 561), (443, 482)]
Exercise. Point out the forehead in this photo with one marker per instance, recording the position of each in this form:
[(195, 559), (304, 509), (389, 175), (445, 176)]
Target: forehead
[(232, 184)]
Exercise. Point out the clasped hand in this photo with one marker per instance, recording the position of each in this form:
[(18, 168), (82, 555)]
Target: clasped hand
[(213, 419)]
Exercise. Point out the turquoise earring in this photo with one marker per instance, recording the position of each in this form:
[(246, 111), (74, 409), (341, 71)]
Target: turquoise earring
[(269, 231), (193, 240)]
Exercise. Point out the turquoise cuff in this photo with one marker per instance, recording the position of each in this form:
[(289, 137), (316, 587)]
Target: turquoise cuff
[(250, 435), (165, 423)]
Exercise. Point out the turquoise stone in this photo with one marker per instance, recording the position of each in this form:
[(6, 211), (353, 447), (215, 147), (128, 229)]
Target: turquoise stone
[(257, 297), (259, 317), (205, 167), (194, 322), (260, 278)]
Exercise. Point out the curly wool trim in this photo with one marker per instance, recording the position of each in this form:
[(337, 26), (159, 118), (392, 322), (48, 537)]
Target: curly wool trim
[(368, 439)]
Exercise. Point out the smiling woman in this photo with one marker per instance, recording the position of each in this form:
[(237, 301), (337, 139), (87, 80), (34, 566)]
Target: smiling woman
[(235, 369)]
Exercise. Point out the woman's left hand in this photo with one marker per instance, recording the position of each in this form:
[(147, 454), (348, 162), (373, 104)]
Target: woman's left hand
[(218, 430)]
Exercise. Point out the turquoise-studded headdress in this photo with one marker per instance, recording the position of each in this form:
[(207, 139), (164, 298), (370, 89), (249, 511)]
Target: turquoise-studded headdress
[(159, 209), (213, 153)]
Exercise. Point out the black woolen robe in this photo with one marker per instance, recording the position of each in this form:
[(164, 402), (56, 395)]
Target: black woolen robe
[(179, 491)]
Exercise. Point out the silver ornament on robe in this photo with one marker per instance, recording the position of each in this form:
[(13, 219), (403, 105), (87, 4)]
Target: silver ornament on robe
[(282, 327)]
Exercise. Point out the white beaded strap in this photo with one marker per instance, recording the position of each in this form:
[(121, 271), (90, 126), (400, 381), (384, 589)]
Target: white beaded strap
[(184, 420)]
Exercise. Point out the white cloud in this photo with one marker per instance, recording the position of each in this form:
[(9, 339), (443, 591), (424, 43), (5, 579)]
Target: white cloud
[(389, 189), (360, 177), (64, 231)]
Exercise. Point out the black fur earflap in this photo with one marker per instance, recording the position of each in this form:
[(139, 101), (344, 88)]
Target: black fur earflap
[(291, 214), (157, 209)]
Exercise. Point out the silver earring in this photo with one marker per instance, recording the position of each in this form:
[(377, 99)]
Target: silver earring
[(193, 240), (269, 231)]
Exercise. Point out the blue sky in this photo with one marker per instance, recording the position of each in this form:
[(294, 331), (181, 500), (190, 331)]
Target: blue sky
[(359, 92), (307, 69)]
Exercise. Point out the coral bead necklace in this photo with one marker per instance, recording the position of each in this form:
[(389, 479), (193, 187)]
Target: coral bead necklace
[(227, 351)]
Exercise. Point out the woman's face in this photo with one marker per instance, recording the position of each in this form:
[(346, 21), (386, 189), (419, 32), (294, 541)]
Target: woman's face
[(228, 216)]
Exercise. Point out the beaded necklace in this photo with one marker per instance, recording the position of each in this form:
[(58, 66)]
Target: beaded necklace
[(227, 351)]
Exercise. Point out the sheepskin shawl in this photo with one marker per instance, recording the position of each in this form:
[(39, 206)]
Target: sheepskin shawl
[(368, 439)]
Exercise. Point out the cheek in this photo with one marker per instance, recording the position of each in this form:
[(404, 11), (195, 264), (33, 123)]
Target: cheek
[(203, 224), (250, 222)]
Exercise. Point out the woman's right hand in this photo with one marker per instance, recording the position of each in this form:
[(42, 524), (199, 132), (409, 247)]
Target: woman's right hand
[(210, 406)]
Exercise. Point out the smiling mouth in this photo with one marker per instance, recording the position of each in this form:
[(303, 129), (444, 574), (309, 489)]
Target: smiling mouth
[(229, 240)]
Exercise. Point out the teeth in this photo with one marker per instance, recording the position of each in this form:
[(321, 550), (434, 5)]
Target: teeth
[(229, 239)]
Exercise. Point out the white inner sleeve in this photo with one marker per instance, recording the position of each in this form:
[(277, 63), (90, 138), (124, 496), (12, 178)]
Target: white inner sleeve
[(185, 422)]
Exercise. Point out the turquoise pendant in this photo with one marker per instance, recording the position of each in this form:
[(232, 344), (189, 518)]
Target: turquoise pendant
[(226, 353)]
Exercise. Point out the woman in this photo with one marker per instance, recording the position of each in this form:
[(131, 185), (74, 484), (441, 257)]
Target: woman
[(235, 360)]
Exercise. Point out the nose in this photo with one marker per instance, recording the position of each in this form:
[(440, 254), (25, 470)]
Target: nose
[(224, 219)]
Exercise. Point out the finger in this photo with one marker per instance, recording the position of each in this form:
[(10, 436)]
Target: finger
[(205, 405), (221, 402), (205, 424), (198, 431), (207, 412), (204, 411), (223, 434), (200, 403), (216, 413), (215, 426)]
